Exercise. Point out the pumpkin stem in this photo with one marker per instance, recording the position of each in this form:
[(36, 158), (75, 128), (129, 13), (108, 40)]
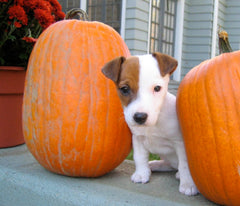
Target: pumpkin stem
[(77, 12), (224, 45)]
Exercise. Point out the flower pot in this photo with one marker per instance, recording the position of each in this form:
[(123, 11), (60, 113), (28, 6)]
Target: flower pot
[(11, 98)]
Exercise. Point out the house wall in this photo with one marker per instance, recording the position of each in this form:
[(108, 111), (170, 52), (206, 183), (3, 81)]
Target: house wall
[(222, 6), (222, 13), (232, 23), (198, 29), (197, 39), (197, 33), (136, 26), (69, 4)]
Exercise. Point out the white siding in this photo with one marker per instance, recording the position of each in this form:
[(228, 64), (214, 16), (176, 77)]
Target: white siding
[(222, 13), (197, 33), (232, 23), (136, 26), (221, 19)]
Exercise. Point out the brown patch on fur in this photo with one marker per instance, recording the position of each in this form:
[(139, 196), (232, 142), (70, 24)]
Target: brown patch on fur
[(166, 63), (112, 69), (124, 73), (129, 77)]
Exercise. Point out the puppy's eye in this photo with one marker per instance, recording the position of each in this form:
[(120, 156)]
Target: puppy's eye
[(125, 90), (157, 88)]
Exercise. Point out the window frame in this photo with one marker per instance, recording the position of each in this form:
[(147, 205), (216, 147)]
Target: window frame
[(158, 20), (104, 18)]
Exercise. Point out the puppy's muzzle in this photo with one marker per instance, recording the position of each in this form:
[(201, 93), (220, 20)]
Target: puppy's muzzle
[(140, 117)]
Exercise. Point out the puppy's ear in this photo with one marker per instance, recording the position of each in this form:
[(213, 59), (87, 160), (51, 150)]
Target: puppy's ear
[(112, 69), (166, 63)]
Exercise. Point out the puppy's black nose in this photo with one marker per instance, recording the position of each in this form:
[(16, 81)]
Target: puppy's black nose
[(140, 117)]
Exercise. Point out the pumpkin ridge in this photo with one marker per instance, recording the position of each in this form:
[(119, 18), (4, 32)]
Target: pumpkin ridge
[(224, 85), (107, 129), (48, 109), (80, 110), (98, 167), (59, 89), (47, 147), (39, 88), (64, 76), (188, 97), (77, 127), (88, 135), (232, 129), (87, 98), (30, 138), (94, 134), (199, 81), (60, 156), (85, 88), (235, 94), (194, 94), (209, 106)]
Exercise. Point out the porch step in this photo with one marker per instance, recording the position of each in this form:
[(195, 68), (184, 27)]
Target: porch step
[(23, 182)]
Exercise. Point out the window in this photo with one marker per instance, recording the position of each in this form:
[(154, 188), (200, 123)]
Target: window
[(163, 21), (106, 11), (69, 4)]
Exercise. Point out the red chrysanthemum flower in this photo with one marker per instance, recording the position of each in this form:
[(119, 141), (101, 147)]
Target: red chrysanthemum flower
[(17, 24), (29, 39), (59, 15), (45, 19), (30, 5), (18, 12), (55, 5), (45, 5), (22, 21), (18, 2)]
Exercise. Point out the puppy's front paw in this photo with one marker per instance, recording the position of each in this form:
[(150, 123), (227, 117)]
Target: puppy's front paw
[(141, 177), (188, 189)]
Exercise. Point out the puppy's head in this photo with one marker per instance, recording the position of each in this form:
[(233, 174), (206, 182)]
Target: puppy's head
[(142, 83)]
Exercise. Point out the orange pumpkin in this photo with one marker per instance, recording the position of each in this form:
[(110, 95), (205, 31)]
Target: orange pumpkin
[(208, 106), (72, 118)]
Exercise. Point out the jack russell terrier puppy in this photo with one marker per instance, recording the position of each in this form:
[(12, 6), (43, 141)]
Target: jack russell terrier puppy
[(150, 112)]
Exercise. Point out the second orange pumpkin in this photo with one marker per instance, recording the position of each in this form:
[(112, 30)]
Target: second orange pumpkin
[(208, 106)]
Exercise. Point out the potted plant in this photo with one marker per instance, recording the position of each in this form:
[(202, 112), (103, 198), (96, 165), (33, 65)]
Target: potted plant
[(21, 22)]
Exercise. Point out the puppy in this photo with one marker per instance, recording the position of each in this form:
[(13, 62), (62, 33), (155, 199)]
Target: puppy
[(150, 112)]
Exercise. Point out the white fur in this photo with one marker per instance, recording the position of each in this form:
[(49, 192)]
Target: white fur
[(160, 134)]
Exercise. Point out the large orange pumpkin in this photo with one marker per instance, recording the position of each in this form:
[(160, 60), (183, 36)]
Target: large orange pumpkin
[(73, 122), (208, 106)]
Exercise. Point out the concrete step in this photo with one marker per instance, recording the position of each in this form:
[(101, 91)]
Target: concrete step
[(23, 182)]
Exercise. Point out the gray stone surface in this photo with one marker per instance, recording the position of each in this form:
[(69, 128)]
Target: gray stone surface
[(23, 182)]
